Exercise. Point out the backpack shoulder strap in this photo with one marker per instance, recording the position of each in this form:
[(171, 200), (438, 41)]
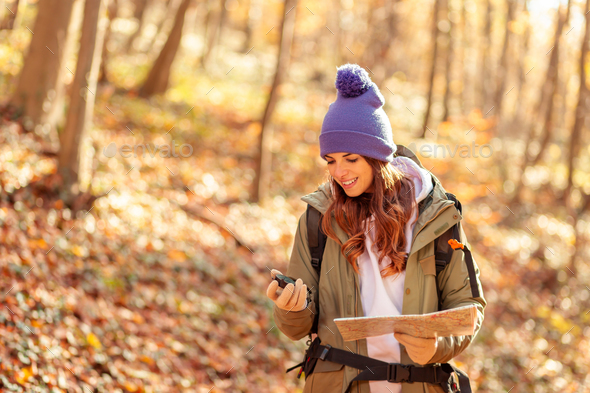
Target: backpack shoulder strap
[(444, 252), (315, 237), (317, 242)]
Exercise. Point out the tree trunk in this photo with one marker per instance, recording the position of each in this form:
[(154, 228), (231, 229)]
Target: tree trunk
[(434, 35), (391, 38), (465, 74), (251, 22), (553, 80), (165, 23), (263, 166), (544, 105), (112, 10), (501, 124), (194, 18), (7, 22), (222, 22), (43, 62), (392, 30), (581, 110), (371, 50), (334, 33), (562, 96), (214, 29), (502, 71), (518, 120), (448, 63), (139, 14), (382, 35), (484, 68), (159, 76), (210, 17), (55, 116), (212, 22), (82, 95), (580, 236)]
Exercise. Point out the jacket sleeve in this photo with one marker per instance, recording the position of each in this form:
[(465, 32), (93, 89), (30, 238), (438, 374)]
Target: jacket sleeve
[(298, 324), (457, 292)]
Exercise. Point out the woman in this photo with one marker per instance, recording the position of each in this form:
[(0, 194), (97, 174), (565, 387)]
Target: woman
[(380, 210)]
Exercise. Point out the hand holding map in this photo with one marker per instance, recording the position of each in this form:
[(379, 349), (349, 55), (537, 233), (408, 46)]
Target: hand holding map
[(454, 322)]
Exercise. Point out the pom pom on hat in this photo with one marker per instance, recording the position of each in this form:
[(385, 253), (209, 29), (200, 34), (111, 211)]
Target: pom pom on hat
[(352, 80)]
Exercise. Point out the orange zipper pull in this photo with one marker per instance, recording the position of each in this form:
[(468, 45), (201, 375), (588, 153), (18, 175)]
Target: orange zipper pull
[(455, 244)]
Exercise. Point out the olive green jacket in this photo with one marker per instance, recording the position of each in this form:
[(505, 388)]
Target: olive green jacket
[(337, 291)]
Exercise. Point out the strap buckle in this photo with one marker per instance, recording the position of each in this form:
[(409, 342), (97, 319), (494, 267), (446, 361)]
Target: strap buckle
[(325, 352), (398, 373), (315, 262)]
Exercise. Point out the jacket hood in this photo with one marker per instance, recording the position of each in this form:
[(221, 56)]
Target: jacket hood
[(428, 207)]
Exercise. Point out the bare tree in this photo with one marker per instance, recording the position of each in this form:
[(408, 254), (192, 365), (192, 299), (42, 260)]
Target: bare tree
[(112, 10), (335, 39), (54, 116), (520, 56), (139, 14), (392, 33), (83, 91), (580, 236), (462, 58), (552, 81), (215, 22), (263, 165), (484, 67), (44, 61), (210, 23), (165, 23), (159, 76), (502, 71), (434, 39), (381, 36), (448, 61), (7, 22), (581, 110), (545, 104), (254, 8)]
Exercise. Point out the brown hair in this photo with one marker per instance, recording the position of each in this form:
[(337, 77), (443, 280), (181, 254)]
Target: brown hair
[(391, 204)]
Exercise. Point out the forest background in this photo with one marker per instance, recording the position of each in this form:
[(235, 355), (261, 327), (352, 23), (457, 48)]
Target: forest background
[(129, 269)]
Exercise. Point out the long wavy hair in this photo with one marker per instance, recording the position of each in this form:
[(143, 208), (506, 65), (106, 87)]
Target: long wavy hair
[(390, 203)]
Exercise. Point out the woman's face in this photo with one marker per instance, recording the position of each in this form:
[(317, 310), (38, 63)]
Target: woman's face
[(349, 166)]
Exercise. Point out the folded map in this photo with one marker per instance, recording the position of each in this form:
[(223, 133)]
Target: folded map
[(453, 322)]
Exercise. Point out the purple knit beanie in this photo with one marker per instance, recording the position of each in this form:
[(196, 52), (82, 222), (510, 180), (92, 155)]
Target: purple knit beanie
[(356, 122)]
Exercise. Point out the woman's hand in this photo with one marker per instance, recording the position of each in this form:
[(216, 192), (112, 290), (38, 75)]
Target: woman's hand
[(290, 298), (421, 350)]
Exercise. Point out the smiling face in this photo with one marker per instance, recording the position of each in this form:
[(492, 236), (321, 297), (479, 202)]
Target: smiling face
[(349, 166)]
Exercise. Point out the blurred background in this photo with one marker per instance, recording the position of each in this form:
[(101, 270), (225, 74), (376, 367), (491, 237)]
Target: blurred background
[(153, 154)]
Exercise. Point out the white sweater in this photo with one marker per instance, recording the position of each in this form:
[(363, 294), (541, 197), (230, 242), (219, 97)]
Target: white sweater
[(384, 296)]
